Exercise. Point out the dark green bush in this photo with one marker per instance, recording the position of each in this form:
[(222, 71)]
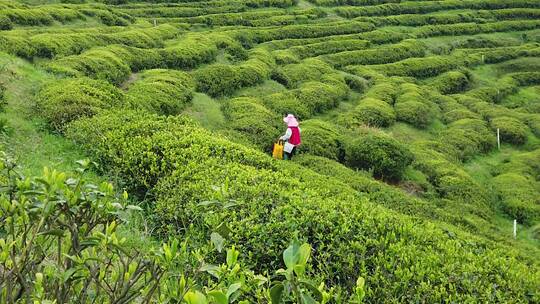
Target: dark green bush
[(469, 136), (387, 157), (511, 129), (458, 114), (66, 100), (413, 112), (323, 139), (370, 112), (165, 92), (356, 83)]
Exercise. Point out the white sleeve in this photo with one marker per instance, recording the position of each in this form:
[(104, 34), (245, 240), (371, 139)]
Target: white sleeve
[(287, 135)]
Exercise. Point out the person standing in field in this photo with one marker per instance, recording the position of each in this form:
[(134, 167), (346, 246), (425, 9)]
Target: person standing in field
[(291, 137)]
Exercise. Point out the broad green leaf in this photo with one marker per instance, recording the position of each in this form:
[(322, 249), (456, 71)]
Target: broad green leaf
[(55, 232), (290, 255), (232, 256), (211, 269), (307, 299), (314, 290), (304, 253), (223, 230), (195, 298), (217, 240), (233, 288), (218, 297), (276, 292)]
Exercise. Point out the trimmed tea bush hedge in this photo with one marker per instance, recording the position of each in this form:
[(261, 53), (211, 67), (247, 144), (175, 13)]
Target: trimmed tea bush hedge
[(387, 157), (519, 197), (323, 139), (251, 118), (452, 82), (164, 92), (370, 112), (66, 100), (381, 55), (294, 74), (511, 129)]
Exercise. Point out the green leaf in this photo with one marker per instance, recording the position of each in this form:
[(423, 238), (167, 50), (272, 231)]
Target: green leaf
[(307, 299), (133, 207), (314, 290), (276, 292), (195, 298), (217, 240), (223, 229), (211, 269), (55, 232), (233, 288), (290, 255), (303, 254), (218, 296), (232, 256)]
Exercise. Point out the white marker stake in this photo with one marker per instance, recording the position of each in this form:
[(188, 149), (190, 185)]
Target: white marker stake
[(498, 139), (155, 22), (515, 228)]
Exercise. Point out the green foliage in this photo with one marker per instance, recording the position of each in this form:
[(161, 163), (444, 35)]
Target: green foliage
[(267, 201), (452, 82), (249, 117), (323, 139), (387, 157), (380, 55), (469, 137), (165, 92), (519, 197), (413, 106), (511, 129), (293, 74), (66, 100), (370, 112), (222, 79)]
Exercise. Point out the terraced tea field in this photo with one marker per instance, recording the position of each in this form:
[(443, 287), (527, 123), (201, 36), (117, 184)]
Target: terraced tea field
[(421, 145)]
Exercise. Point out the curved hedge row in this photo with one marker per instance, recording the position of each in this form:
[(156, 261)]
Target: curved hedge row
[(452, 82), (310, 97), (422, 7), (66, 100), (475, 28), (511, 129), (114, 63), (383, 54), (370, 112), (249, 37), (165, 92), (224, 79), (413, 106), (36, 16), (352, 236), (51, 45), (308, 70)]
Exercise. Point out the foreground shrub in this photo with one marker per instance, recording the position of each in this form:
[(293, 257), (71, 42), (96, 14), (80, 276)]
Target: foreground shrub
[(266, 202), (165, 92), (387, 157), (511, 129), (65, 100)]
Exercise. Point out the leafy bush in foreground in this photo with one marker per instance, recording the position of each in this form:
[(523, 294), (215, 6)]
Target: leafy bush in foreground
[(65, 100), (323, 139), (271, 201)]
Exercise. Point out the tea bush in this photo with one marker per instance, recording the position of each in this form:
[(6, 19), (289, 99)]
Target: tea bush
[(384, 155), (519, 197), (165, 92), (187, 161), (250, 117), (452, 82), (323, 139), (294, 74), (382, 55), (370, 112), (66, 100), (469, 137), (511, 129)]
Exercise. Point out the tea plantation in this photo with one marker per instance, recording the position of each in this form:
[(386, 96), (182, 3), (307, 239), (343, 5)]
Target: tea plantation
[(421, 146)]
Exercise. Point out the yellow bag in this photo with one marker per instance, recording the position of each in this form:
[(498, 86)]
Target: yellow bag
[(277, 153)]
